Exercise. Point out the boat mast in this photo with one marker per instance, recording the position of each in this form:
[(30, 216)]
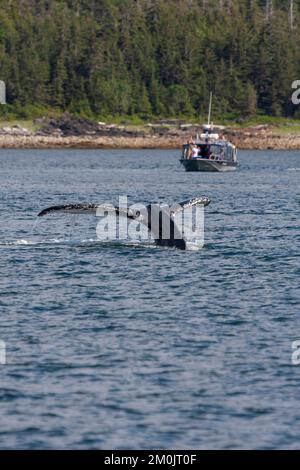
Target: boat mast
[(210, 106)]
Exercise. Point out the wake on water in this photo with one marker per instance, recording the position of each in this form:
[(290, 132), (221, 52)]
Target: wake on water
[(190, 246), (75, 242)]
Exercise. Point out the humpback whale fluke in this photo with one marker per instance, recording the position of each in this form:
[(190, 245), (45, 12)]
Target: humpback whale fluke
[(71, 209), (145, 216)]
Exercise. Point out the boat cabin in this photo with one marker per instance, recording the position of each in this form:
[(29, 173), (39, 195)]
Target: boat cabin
[(218, 150)]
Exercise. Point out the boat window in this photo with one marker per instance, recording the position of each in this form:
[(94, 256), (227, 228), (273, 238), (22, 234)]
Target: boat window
[(218, 152), (229, 153)]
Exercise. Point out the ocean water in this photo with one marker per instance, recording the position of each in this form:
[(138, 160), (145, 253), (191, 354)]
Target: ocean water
[(125, 345)]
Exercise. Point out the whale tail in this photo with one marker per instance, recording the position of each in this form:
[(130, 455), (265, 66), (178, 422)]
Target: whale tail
[(153, 216)]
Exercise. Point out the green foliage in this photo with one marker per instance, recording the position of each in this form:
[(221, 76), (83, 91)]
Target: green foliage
[(149, 57)]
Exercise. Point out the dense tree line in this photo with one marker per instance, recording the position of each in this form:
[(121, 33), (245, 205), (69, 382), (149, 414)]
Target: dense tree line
[(150, 57)]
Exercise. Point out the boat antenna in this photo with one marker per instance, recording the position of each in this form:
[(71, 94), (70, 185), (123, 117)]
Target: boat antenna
[(210, 106)]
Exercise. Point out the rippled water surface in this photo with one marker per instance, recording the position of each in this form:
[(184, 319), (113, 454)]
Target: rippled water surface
[(113, 345)]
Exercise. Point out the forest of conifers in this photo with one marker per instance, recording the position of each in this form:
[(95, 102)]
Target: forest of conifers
[(103, 58)]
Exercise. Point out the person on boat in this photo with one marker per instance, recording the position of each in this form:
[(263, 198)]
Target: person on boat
[(190, 144), (195, 152), (188, 152), (205, 152)]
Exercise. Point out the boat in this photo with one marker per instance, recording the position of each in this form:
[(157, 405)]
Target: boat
[(209, 151)]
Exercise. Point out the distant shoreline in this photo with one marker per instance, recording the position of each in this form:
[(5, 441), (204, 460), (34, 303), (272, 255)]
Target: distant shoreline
[(242, 140), (69, 132)]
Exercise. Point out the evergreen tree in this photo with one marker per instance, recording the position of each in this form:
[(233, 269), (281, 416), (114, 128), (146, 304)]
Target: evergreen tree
[(161, 57)]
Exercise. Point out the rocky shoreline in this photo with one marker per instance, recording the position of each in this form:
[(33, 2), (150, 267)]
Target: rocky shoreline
[(75, 133)]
